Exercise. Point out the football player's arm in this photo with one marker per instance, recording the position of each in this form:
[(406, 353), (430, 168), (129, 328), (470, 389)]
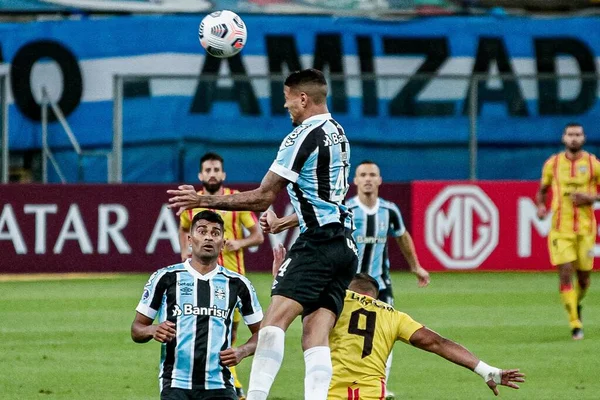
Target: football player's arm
[(428, 340), (407, 247), (142, 330), (541, 196), (232, 356), (259, 199), (183, 243), (270, 223)]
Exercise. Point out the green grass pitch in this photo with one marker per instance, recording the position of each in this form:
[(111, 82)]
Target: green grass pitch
[(70, 339)]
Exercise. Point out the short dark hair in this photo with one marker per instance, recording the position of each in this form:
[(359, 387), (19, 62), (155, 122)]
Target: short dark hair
[(210, 156), (209, 216), (366, 282), (311, 81), (365, 162), (572, 125)]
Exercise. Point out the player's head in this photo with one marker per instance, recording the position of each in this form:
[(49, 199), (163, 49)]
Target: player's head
[(573, 136), (211, 172), (206, 235), (367, 178), (305, 94), (364, 284)]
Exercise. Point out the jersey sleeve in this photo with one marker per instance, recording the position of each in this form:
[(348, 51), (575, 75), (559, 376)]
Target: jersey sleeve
[(152, 295), (248, 303), (405, 326), (548, 172), (185, 220), (396, 228), (248, 219), (293, 153)]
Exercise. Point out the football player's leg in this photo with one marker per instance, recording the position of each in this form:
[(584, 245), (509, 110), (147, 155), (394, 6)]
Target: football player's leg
[(563, 253), (317, 355), (270, 347)]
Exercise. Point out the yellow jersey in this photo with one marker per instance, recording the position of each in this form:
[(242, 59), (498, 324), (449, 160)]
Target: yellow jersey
[(234, 221), (567, 177), (361, 342)]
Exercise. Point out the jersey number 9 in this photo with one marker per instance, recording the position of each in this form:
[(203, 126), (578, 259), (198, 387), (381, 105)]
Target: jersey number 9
[(367, 332)]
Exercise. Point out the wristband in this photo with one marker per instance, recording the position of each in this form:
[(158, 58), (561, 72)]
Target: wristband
[(488, 373)]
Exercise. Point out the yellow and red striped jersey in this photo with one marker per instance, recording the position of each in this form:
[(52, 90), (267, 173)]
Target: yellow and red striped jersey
[(234, 221), (566, 177)]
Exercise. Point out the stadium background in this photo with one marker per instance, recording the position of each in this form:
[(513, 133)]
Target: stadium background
[(402, 74)]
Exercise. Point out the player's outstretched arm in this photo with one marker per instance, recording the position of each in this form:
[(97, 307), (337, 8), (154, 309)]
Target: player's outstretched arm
[(185, 197), (233, 356), (428, 340)]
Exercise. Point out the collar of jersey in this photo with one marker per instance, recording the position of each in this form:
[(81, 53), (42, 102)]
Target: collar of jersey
[(316, 117), (367, 210), (197, 274)]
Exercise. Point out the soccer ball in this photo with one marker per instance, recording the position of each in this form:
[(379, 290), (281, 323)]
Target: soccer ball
[(222, 34)]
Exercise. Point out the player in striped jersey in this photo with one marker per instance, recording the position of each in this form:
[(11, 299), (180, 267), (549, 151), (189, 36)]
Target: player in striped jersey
[(377, 219), (313, 162), (573, 175), (194, 302), (212, 175)]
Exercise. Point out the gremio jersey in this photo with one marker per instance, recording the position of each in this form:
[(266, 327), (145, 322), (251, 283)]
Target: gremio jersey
[(202, 308), (315, 158), (373, 226), (361, 342)]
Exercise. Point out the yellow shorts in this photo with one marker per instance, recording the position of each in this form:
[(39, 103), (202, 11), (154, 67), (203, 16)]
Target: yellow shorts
[(569, 247), (237, 316), (356, 392)]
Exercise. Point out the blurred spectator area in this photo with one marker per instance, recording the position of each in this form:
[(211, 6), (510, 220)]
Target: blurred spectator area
[(530, 5)]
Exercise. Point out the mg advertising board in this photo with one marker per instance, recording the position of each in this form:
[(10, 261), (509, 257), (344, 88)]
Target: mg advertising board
[(482, 226)]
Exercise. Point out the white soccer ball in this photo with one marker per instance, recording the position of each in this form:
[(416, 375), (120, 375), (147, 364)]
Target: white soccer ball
[(222, 34)]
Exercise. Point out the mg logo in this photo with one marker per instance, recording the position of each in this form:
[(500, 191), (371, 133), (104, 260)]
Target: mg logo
[(461, 227)]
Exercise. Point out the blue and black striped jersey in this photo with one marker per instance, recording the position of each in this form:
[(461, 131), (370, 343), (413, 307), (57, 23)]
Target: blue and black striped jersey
[(202, 308), (373, 226), (315, 158)]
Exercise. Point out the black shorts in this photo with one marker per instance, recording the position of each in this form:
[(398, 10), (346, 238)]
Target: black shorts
[(170, 393), (318, 269)]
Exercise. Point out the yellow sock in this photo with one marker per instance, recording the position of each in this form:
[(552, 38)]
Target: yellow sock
[(580, 292), (236, 381), (569, 299)]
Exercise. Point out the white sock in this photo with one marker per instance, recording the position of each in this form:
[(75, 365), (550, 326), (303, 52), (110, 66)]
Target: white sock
[(318, 373), (388, 368), (266, 363)]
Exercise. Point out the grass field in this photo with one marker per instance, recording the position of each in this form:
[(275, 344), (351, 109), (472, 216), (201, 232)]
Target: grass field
[(69, 339)]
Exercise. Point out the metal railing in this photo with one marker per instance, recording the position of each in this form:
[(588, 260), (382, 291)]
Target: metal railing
[(472, 83), (47, 154)]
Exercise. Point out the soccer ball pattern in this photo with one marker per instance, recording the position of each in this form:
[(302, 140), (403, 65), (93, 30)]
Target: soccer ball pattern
[(222, 34)]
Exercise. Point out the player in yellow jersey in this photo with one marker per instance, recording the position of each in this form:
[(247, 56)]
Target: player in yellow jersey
[(212, 176), (365, 333), (573, 175)]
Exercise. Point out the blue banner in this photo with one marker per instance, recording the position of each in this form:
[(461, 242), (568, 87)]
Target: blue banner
[(401, 82)]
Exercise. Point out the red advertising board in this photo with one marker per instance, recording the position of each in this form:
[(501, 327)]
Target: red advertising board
[(482, 226), (112, 228)]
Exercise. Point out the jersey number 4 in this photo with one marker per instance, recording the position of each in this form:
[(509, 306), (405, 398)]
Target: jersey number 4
[(367, 332)]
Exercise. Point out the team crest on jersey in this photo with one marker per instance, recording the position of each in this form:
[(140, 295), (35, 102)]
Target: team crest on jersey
[(382, 225), (583, 169), (220, 293)]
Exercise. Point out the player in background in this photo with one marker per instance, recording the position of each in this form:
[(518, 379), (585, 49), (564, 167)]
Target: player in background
[(364, 336), (212, 175), (573, 175), (313, 162), (194, 301)]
